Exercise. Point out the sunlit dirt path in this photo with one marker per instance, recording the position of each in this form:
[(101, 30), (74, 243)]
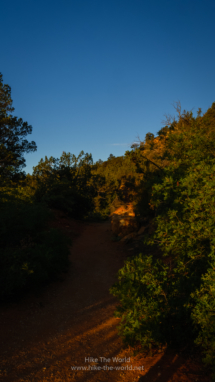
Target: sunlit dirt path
[(43, 336)]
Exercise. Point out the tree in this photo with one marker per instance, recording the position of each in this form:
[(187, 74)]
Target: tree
[(149, 137), (13, 144), (111, 156), (99, 161)]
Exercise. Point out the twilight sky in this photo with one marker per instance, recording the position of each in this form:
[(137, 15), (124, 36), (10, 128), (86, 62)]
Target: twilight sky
[(92, 75)]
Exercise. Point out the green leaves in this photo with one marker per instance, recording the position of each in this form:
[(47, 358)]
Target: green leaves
[(172, 295), (13, 144), (203, 315), (65, 183), (139, 283)]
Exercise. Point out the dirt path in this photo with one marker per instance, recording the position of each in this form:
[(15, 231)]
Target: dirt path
[(43, 336)]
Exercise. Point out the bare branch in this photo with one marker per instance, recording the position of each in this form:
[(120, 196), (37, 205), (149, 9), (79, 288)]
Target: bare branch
[(177, 107), (169, 119), (160, 168)]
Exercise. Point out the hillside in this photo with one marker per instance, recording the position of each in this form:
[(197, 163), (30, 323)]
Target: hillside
[(44, 334), (160, 196)]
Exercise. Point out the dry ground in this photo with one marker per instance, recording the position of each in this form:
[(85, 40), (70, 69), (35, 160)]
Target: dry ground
[(42, 336)]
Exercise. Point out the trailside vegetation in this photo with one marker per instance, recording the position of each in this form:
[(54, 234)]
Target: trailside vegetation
[(168, 298), (31, 254), (166, 294), (65, 183), (13, 144)]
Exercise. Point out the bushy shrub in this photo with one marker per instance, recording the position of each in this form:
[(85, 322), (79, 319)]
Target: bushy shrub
[(203, 316), (31, 255), (160, 289), (169, 298), (64, 196), (19, 218), (143, 302), (65, 183), (39, 260)]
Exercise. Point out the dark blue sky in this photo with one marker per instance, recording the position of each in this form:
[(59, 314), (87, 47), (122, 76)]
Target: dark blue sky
[(92, 75)]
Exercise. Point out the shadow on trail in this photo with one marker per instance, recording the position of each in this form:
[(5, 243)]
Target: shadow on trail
[(44, 336), (171, 364)]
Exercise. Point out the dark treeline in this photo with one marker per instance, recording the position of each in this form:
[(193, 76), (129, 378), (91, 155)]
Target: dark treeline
[(165, 298)]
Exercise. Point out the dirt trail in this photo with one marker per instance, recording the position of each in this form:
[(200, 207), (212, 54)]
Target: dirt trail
[(43, 336)]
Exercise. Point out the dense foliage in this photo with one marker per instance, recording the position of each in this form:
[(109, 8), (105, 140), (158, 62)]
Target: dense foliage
[(13, 144), (167, 293), (168, 298), (31, 254), (65, 183)]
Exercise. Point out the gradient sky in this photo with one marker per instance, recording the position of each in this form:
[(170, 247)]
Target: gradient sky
[(92, 75)]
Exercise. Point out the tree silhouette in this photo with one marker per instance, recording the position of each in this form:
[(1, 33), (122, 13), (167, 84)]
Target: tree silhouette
[(111, 156), (13, 144)]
